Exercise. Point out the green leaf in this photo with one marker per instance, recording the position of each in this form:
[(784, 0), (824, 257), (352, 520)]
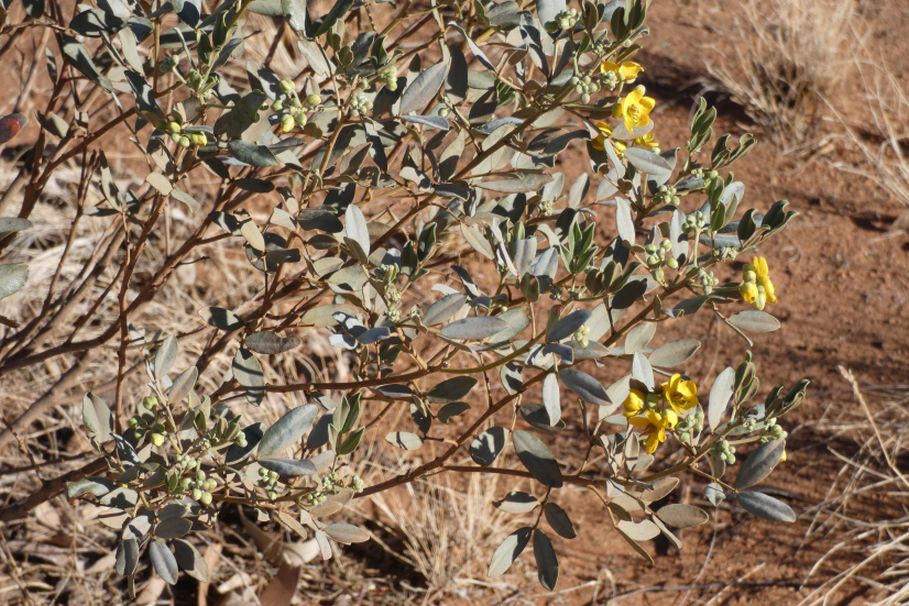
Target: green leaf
[(444, 308), (765, 506), (567, 326), (548, 10), (517, 502), (76, 55), (163, 561), (476, 327), (221, 318), (656, 167), (190, 560), (423, 89), (97, 417), (12, 278), (451, 389), (11, 225), (245, 112), (720, 394), (290, 468), (127, 557), (268, 343), (356, 230), (508, 551), (639, 337), (252, 154), (486, 447), (404, 439), (559, 521), (680, 515), (248, 373), (451, 410), (547, 562), (587, 387), (287, 430), (760, 463), (534, 455), (165, 357), (754, 321), (552, 398), (337, 11), (346, 533), (674, 353), (173, 527)]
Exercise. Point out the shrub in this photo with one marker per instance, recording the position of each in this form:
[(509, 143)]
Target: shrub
[(398, 192)]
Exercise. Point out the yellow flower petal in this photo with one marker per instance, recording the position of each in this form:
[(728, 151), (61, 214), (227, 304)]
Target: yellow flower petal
[(630, 70)]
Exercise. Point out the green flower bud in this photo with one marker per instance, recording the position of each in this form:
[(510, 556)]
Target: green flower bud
[(277, 106), (196, 494), (312, 100), (205, 498), (157, 439), (287, 86), (174, 127), (183, 141), (150, 403)]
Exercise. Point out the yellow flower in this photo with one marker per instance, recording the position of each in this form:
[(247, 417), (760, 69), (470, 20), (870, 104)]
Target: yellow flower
[(749, 292), (648, 140), (599, 142), (654, 425), (635, 108), (680, 393), (756, 288), (634, 403), (628, 71), (763, 278)]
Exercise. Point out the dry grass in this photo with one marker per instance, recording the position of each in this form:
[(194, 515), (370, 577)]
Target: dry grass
[(883, 136), (865, 509), (788, 56)]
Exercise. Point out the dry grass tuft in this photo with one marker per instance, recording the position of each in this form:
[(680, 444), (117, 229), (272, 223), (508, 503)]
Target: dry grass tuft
[(788, 56), (883, 137), (865, 509)]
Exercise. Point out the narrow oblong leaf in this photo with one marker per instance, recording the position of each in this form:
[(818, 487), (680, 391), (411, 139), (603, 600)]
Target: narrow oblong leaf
[(346, 533), (534, 455), (760, 463), (163, 561), (268, 343), (546, 559), (567, 326), (287, 430), (508, 551), (404, 439), (587, 387), (559, 521), (674, 353), (552, 398), (423, 89), (720, 394), (190, 560), (478, 327), (680, 515), (12, 278), (517, 502), (451, 389), (444, 308), (486, 447), (765, 506), (754, 321), (355, 228)]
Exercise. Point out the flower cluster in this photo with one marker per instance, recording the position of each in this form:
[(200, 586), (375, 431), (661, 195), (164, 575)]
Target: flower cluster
[(630, 119), (656, 413), (757, 289)]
